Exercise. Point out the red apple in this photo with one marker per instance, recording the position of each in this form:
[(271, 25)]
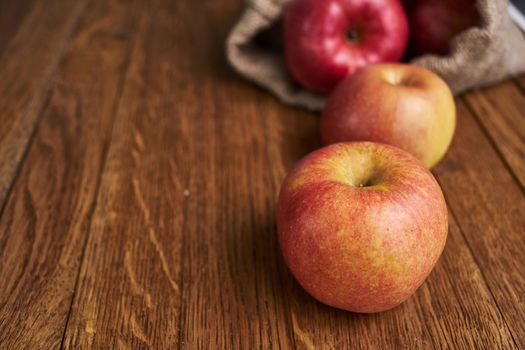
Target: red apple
[(325, 40), (361, 225), (401, 105), (434, 23)]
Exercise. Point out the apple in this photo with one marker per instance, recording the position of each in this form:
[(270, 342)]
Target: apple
[(361, 225), (403, 105), (434, 23), (326, 40)]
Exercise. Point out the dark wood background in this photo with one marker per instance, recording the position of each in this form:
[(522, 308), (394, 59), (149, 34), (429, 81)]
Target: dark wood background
[(138, 182)]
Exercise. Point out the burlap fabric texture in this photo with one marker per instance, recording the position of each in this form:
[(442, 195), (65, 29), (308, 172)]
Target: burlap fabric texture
[(479, 56)]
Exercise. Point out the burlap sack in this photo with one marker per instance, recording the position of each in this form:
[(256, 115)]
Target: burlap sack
[(478, 56)]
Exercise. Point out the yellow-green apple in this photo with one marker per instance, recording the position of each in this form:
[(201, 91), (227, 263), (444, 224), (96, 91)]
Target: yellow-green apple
[(402, 105), (326, 40), (434, 23), (361, 225)]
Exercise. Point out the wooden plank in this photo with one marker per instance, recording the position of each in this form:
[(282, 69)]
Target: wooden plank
[(490, 208), (177, 189), (46, 219), (233, 295), (128, 293), (501, 112), (25, 71), (12, 14), (453, 309), (238, 299)]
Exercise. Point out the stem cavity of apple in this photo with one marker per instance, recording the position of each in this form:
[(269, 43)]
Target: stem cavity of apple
[(353, 35)]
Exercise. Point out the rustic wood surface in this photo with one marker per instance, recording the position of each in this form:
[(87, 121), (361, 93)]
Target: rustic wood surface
[(138, 181)]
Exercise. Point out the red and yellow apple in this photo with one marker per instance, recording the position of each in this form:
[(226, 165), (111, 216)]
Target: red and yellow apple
[(361, 225), (434, 23), (401, 105), (326, 40)]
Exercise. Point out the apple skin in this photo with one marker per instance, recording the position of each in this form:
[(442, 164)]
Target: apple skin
[(434, 23), (361, 249), (402, 105), (317, 48)]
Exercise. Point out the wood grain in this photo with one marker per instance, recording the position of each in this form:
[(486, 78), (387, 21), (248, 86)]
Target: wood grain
[(47, 217), (129, 287), (180, 193), (25, 76), (501, 112), (489, 207)]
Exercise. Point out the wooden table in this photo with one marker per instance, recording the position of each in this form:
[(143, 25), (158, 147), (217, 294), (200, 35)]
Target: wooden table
[(138, 182)]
